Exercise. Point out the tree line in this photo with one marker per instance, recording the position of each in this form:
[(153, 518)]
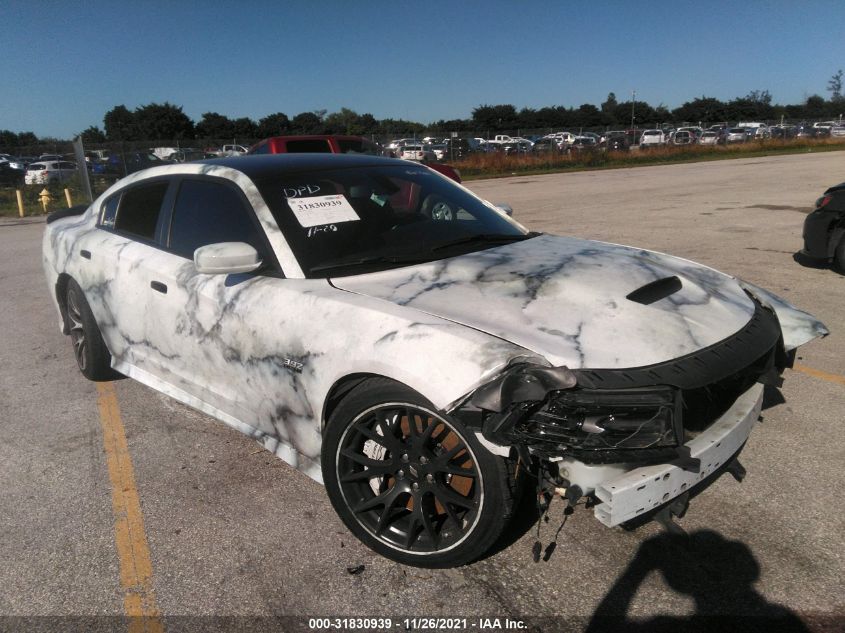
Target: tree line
[(168, 121)]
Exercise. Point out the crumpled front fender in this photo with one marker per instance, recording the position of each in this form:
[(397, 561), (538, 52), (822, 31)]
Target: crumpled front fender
[(798, 327)]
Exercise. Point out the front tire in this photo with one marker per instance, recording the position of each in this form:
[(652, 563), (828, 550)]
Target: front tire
[(92, 355), (411, 483)]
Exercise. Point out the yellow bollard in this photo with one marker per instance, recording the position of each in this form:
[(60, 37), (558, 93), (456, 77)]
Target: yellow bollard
[(45, 199), (20, 201), (67, 197)]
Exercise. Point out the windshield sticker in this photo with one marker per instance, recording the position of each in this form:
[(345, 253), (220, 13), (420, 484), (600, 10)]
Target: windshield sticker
[(301, 191), (320, 210), (379, 200)]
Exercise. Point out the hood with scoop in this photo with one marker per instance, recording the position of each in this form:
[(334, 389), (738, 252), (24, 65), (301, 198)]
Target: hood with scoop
[(579, 303)]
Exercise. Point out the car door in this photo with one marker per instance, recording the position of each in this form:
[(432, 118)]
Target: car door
[(125, 249), (198, 334)]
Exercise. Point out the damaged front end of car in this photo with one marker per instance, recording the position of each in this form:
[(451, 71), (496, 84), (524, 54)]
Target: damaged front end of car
[(633, 440)]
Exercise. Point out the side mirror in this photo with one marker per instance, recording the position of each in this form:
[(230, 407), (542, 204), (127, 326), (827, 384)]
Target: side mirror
[(226, 258), (504, 207)]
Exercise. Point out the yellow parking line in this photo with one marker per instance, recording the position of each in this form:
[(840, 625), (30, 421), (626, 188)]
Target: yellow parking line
[(136, 570), (817, 373)]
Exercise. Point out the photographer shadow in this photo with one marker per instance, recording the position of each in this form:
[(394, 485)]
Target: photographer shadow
[(717, 573)]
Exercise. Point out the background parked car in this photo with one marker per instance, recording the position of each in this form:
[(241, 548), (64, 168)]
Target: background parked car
[(517, 146), (683, 137), (416, 152), (652, 138), (783, 131), (824, 229), (583, 144), (548, 145), (233, 150), (755, 130), (709, 138), (11, 174), (736, 135), (617, 142), (457, 148), (439, 150), (187, 154), (48, 172), (120, 165)]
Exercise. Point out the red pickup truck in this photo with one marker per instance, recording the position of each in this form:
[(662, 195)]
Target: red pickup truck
[(334, 144)]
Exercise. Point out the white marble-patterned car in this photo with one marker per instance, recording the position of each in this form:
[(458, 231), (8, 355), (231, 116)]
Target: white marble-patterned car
[(385, 331)]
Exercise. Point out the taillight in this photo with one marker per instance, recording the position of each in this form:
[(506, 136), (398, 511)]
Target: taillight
[(823, 201)]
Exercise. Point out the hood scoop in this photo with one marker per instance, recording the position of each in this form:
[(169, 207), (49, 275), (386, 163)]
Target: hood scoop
[(656, 290)]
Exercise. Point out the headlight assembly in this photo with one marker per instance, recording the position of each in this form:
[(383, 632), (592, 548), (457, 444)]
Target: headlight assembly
[(596, 420)]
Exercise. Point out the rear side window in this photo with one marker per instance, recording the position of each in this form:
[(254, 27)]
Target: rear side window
[(109, 212), (207, 213), (139, 208), (309, 146)]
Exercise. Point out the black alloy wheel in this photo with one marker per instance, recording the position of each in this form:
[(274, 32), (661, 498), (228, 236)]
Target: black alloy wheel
[(411, 483)]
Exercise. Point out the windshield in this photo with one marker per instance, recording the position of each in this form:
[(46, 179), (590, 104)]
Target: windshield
[(349, 221)]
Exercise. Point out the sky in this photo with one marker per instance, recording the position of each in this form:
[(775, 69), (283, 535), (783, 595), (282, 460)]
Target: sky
[(63, 65)]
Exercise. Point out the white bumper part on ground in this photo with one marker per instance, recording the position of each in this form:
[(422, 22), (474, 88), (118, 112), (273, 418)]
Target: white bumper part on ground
[(642, 489)]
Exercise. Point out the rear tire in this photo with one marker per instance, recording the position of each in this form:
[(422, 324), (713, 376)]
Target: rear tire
[(413, 484), (92, 355)]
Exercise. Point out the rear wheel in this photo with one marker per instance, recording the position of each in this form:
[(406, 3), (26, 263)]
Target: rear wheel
[(413, 484), (92, 356)]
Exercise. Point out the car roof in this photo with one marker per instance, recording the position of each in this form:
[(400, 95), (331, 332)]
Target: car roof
[(260, 165)]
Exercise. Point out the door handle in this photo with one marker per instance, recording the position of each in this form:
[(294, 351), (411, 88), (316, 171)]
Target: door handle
[(158, 287)]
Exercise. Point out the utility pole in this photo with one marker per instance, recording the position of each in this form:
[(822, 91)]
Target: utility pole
[(633, 102)]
